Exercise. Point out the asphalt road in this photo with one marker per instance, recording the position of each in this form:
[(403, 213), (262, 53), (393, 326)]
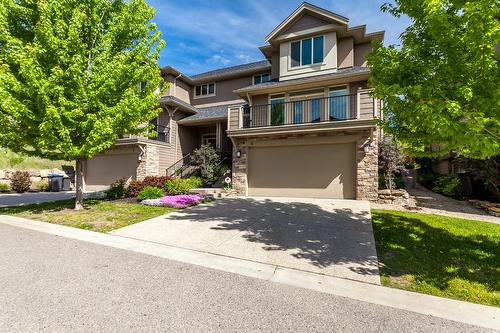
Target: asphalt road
[(50, 283)]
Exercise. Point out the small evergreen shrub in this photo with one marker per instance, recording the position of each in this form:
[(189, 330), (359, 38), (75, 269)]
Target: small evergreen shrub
[(20, 181), (4, 187), (449, 185), (150, 192), (42, 185), (116, 190), (195, 182), (178, 186)]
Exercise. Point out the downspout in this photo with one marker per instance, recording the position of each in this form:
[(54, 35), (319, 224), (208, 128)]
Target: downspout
[(175, 83)]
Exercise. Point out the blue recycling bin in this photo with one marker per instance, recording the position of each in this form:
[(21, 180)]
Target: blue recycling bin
[(55, 182)]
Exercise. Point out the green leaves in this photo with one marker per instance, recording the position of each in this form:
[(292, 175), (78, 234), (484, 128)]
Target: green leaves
[(70, 72), (442, 88)]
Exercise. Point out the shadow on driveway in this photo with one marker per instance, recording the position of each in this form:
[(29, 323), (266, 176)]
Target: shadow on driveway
[(332, 237)]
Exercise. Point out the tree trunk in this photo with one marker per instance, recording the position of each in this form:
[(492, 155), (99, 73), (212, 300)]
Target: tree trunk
[(79, 184)]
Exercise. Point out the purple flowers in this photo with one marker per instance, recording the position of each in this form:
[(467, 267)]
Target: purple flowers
[(175, 201)]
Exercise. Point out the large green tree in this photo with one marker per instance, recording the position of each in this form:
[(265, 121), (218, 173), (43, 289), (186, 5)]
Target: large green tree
[(442, 86), (70, 72)]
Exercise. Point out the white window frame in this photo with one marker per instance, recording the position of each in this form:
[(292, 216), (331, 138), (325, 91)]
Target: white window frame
[(253, 78), (201, 90), (205, 135), (312, 64)]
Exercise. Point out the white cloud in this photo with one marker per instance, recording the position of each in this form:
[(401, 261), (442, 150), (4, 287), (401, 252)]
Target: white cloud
[(217, 58)]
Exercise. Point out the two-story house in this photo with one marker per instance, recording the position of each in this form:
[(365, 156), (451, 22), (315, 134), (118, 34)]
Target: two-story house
[(299, 124)]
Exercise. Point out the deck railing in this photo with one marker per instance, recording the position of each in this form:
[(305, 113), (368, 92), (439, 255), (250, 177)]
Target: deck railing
[(306, 111)]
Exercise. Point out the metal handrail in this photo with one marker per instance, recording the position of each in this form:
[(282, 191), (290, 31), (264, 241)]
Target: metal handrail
[(306, 111)]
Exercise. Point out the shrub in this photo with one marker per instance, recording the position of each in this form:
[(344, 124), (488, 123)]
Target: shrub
[(136, 186), (195, 182), (398, 182), (207, 158), (390, 160), (449, 185), (150, 192), (41, 186), (178, 186), (20, 181), (426, 179), (4, 187), (116, 190)]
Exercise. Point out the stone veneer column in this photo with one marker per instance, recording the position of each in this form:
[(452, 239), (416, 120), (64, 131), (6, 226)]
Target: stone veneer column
[(367, 170), (150, 163), (240, 168)]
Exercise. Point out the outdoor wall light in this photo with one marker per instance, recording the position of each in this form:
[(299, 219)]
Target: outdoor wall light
[(238, 153), (367, 147)]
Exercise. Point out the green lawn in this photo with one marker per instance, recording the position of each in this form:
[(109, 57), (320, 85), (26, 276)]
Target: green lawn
[(99, 215), (439, 255)]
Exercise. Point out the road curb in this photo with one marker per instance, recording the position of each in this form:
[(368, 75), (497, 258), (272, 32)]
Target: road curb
[(464, 312)]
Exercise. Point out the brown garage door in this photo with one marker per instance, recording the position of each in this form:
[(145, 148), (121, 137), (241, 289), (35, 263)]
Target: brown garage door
[(312, 171), (106, 168)]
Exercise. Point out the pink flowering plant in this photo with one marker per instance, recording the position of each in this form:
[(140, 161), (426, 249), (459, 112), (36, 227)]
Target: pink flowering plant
[(176, 201)]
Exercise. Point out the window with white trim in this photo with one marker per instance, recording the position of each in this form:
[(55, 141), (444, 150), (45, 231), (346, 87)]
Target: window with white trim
[(307, 51), (261, 78), (207, 89)]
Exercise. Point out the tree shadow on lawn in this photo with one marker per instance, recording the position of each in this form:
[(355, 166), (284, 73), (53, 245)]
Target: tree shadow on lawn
[(433, 255), (321, 236), (46, 207)]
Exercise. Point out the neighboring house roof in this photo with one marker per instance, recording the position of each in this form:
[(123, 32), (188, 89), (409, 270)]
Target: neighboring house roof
[(272, 84), (176, 102), (218, 74), (233, 71), (208, 113)]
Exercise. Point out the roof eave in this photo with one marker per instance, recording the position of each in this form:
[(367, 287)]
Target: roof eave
[(305, 6)]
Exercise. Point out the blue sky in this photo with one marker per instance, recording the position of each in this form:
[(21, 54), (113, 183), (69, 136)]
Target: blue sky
[(203, 35)]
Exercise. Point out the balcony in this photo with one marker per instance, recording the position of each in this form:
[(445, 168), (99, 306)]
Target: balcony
[(161, 134), (343, 110)]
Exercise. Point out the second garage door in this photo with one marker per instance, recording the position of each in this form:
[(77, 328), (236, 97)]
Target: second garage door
[(312, 171)]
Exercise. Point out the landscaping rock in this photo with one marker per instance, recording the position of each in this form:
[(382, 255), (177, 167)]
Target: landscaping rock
[(2, 174), (44, 173)]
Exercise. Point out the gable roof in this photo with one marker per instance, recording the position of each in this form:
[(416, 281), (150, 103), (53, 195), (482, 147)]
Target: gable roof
[(304, 8)]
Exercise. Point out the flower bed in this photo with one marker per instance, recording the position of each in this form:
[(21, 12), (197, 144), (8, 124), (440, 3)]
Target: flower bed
[(177, 201)]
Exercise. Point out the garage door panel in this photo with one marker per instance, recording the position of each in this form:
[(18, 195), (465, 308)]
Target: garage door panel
[(318, 171), (108, 168)]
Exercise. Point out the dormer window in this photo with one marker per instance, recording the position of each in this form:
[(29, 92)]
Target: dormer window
[(307, 51), (207, 89), (261, 78)]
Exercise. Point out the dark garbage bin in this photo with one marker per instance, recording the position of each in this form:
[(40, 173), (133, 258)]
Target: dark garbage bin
[(66, 184), (55, 182)]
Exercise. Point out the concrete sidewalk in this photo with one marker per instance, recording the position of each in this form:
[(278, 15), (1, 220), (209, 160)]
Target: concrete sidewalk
[(331, 237), (105, 286)]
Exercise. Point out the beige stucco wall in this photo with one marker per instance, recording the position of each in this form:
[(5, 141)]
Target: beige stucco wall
[(345, 52), (181, 90), (360, 52)]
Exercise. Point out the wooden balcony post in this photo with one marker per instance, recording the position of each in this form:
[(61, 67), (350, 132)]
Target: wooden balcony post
[(358, 105)]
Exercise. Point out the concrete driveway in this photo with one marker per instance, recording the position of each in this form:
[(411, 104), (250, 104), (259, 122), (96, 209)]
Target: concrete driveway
[(332, 237)]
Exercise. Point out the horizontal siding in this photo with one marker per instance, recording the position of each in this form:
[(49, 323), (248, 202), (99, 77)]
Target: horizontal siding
[(234, 118)]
